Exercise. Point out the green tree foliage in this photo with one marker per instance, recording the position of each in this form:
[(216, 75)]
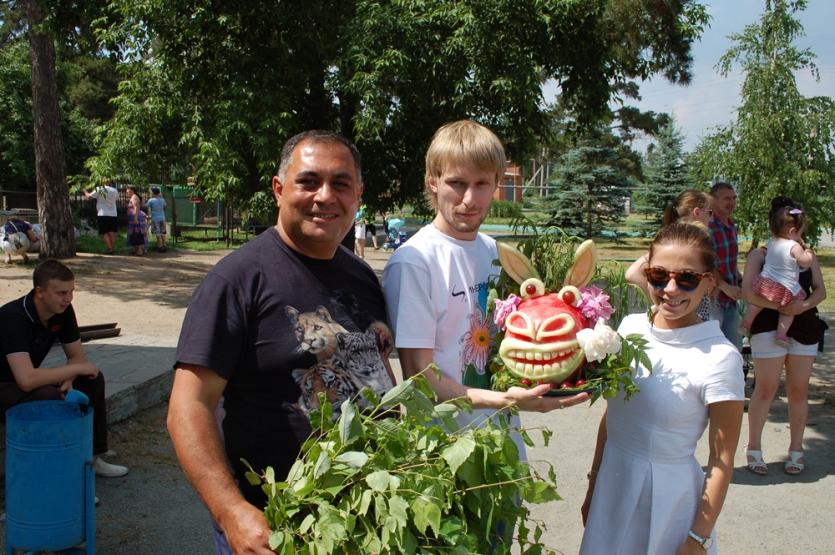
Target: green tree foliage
[(590, 185), (50, 28), (86, 80), (665, 175), (781, 142), (17, 154), (231, 81)]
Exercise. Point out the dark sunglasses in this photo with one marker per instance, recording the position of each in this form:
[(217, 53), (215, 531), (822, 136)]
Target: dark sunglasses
[(686, 280)]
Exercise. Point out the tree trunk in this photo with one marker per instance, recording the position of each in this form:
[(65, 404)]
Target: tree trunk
[(53, 194)]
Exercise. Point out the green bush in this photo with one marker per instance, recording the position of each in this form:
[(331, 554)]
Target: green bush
[(505, 209)]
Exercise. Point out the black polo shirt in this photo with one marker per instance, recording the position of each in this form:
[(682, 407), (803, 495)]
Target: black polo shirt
[(22, 332)]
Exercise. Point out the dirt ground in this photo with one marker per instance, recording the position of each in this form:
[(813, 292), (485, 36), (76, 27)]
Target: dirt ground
[(149, 295), (145, 295)]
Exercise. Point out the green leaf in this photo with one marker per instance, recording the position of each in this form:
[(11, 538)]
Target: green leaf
[(323, 464), (539, 492), (276, 539), (306, 524), (427, 513), (296, 471), (349, 423), (378, 481), (370, 395), (397, 393), (471, 473), (458, 452), (355, 459), (447, 410), (302, 486), (397, 510), (546, 436), (253, 478), (418, 405), (380, 507), (365, 502), (526, 438)]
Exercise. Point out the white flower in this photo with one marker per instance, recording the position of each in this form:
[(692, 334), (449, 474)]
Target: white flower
[(599, 342)]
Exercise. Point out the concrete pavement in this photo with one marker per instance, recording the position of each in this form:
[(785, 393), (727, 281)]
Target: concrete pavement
[(137, 370)]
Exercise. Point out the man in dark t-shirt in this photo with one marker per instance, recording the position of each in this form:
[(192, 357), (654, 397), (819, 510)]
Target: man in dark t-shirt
[(287, 316), (30, 325)]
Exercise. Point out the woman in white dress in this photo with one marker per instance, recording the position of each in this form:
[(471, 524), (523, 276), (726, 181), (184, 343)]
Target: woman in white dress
[(647, 492)]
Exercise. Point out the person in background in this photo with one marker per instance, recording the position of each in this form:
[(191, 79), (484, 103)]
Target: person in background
[(31, 325), (137, 228), (106, 196), (359, 232), (371, 229), (797, 355), (690, 206), (786, 255), (156, 204), (727, 251), (647, 492), (17, 236)]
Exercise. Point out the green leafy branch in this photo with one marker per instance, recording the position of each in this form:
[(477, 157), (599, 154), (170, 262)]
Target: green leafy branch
[(385, 480)]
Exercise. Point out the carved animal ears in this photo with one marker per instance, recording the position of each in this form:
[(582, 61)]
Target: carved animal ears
[(519, 268), (582, 269)]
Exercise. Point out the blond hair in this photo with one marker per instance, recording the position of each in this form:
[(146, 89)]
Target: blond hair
[(463, 142)]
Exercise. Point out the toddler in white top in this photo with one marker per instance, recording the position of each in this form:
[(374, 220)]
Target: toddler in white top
[(785, 255)]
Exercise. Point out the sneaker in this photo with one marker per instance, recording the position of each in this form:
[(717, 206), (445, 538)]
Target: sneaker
[(108, 470)]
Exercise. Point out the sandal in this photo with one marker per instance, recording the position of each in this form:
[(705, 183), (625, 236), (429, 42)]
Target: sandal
[(795, 464), (756, 464)]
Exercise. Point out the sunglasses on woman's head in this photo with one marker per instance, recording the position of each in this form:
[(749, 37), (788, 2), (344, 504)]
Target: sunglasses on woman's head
[(686, 280)]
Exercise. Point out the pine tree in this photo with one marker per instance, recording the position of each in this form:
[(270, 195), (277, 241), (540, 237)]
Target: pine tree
[(665, 175), (589, 186)]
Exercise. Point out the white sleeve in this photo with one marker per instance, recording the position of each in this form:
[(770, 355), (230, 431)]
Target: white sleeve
[(407, 289), (726, 381)]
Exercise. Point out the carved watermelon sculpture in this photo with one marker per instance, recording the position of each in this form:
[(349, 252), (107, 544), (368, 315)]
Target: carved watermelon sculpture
[(540, 343)]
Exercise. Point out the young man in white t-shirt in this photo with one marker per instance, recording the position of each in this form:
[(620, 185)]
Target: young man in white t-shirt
[(436, 283)]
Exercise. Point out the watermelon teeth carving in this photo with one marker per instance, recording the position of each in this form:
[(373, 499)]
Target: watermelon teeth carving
[(540, 343), (541, 339)]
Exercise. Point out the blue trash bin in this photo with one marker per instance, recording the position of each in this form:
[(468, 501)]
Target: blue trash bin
[(50, 484)]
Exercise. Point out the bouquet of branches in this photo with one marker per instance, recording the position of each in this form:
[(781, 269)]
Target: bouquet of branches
[(556, 330), (373, 482)]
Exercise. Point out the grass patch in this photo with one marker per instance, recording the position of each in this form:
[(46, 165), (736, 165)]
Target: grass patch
[(194, 240)]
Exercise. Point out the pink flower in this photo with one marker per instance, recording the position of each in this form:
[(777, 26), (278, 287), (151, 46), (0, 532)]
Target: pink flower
[(595, 304), (505, 308), (477, 342)]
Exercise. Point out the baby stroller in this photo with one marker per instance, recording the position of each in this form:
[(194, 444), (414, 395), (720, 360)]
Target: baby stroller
[(395, 237)]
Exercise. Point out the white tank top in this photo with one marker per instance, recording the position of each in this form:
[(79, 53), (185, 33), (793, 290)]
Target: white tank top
[(780, 265)]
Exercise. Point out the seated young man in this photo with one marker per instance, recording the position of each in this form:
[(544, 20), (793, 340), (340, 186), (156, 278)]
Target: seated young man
[(28, 328)]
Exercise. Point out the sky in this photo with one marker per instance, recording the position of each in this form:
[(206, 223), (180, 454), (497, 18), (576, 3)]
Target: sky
[(710, 99)]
